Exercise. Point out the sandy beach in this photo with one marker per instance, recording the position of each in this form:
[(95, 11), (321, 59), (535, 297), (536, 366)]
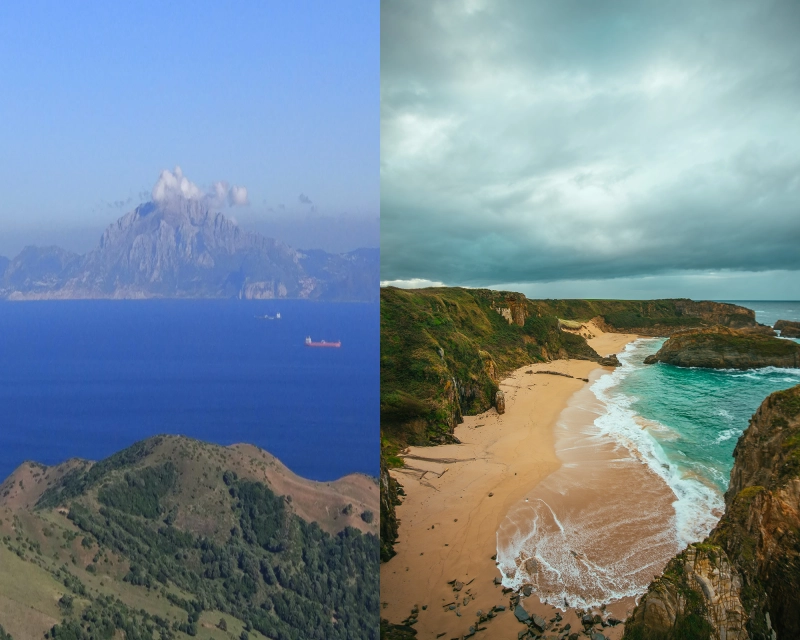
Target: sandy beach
[(457, 497)]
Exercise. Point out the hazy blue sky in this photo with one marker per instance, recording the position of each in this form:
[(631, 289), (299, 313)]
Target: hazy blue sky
[(97, 98), (584, 149)]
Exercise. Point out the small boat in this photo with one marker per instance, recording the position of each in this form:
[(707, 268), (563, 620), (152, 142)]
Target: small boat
[(277, 316), (322, 343)]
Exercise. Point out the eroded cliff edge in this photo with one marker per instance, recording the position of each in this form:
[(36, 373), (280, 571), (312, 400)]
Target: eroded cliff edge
[(743, 581)]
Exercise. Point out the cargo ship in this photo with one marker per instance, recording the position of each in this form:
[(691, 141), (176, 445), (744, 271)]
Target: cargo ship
[(322, 343)]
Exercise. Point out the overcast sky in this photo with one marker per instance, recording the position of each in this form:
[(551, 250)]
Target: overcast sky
[(586, 149), (96, 99)]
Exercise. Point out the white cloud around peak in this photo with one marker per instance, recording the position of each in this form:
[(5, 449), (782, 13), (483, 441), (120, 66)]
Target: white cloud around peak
[(172, 185)]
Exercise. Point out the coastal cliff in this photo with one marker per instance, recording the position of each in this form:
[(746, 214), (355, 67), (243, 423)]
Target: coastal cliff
[(656, 318), (743, 580), (725, 348), (444, 350)]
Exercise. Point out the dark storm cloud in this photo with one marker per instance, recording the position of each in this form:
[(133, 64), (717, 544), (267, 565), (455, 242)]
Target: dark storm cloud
[(540, 141)]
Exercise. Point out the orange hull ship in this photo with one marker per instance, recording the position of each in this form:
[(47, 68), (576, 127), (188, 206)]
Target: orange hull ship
[(322, 343)]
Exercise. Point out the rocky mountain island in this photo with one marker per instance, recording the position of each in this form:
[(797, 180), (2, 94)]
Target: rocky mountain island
[(181, 248), (725, 348), (175, 538)]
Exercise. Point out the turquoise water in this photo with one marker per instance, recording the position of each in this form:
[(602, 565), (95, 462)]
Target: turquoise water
[(684, 423)]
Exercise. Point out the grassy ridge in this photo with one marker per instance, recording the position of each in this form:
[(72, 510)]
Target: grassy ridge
[(175, 538)]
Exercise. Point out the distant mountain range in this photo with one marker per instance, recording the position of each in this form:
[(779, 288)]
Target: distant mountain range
[(182, 249)]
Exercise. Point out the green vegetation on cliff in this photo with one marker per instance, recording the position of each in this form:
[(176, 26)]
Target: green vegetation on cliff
[(170, 538), (443, 352)]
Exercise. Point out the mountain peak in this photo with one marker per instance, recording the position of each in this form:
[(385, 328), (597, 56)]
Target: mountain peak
[(181, 247)]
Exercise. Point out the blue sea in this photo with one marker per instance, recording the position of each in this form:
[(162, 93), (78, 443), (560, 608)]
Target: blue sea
[(88, 378), (694, 418)]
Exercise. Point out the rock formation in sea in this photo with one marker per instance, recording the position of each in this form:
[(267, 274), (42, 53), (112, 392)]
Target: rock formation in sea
[(725, 348), (788, 328), (743, 581), (181, 248)]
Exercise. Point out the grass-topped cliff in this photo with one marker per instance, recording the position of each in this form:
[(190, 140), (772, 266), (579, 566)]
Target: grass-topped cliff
[(743, 581), (175, 538), (444, 350)]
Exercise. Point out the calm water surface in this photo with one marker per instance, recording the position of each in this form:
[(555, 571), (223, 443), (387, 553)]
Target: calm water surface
[(87, 378)]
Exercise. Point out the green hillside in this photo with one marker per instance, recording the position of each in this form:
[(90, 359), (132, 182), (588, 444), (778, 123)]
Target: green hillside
[(175, 538)]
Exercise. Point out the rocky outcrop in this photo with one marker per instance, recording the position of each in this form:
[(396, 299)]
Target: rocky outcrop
[(749, 567), (719, 313), (514, 311), (610, 361), (698, 596), (724, 348), (788, 328), (500, 402), (183, 249), (390, 491)]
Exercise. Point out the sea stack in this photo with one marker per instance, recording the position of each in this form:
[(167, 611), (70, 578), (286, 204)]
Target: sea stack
[(724, 348)]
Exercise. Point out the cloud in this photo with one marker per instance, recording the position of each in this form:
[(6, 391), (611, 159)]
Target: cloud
[(304, 199), (414, 283), (173, 185), (540, 142), (237, 196)]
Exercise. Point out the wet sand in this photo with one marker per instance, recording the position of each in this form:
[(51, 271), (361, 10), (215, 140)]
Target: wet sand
[(582, 537), (457, 497)]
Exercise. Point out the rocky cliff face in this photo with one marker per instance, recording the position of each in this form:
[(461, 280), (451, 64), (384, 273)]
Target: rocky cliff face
[(390, 492), (182, 249), (788, 328), (719, 313), (724, 348), (697, 596), (744, 580), (666, 317), (39, 269)]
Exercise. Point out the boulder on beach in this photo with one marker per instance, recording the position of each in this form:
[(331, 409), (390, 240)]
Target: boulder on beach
[(500, 402)]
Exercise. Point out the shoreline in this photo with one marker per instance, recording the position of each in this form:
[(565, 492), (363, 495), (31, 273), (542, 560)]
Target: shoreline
[(457, 496)]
